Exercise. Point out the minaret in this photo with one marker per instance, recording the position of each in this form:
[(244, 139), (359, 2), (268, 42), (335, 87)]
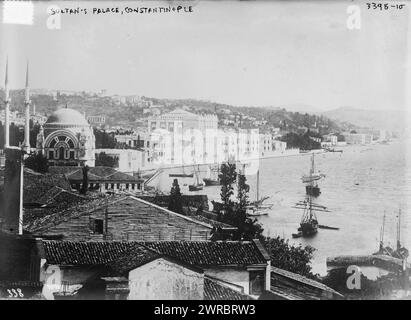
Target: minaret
[(26, 144), (7, 108)]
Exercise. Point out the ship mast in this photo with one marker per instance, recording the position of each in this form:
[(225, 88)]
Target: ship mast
[(258, 184), (382, 233), (399, 230)]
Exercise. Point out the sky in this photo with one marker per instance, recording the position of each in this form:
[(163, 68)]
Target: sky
[(255, 53)]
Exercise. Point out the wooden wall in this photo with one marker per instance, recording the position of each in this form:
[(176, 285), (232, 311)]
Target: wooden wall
[(130, 219)]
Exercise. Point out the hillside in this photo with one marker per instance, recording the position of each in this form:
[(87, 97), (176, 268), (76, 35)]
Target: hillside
[(132, 114), (380, 119)]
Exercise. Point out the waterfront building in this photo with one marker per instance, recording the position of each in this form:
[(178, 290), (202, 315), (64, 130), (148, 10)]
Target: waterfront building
[(126, 160), (358, 138), (179, 136)]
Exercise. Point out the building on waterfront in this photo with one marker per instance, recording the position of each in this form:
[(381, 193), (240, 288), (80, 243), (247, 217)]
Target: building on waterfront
[(126, 160), (180, 136), (67, 139), (329, 140), (358, 138)]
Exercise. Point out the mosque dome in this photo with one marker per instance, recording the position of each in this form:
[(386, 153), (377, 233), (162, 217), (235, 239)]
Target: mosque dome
[(67, 117)]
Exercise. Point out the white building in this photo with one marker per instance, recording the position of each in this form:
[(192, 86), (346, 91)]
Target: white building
[(181, 137), (358, 138), (128, 160)]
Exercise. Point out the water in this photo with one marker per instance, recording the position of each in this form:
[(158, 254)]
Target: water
[(361, 183)]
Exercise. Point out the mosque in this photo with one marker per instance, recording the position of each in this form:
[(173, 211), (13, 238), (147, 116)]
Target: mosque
[(66, 139)]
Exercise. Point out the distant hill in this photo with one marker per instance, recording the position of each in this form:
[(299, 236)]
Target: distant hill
[(128, 114), (379, 119)]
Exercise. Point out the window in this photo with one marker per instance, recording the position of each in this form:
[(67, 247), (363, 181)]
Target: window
[(257, 282), (97, 225)]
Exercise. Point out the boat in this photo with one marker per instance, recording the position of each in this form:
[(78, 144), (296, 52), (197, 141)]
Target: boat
[(258, 204), (254, 212), (212, 177), (197, 185), (309, 223), (311, 179), (399, 252)]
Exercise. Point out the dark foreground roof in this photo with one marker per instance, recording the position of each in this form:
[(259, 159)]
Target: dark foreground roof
[(210, 253), (213, 290), (117, 258), (40, 220), (286, 285), (126, 255), (37, 185)]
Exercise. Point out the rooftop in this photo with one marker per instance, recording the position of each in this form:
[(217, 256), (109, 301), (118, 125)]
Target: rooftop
[(94, 252), (211, 253), (125, 255), (37, 185), (50, 218), (95, 174), (66, 116), (214, 290)]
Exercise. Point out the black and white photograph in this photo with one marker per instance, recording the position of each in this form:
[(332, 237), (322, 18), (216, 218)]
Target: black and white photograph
[(226, 152)]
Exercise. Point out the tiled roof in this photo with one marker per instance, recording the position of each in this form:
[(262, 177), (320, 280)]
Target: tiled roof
[(94, 174), (53, 201), (95, 253), (38, 220), (210, 253), (214, 223), (36, 185), (136, 257), (216, 291), (303, 280), (122, 255)]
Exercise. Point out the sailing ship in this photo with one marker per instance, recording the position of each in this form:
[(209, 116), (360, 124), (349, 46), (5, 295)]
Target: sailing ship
[(309, 223), (198, 184), (311, 179), (212, 178), (400, 252), (257, 208)]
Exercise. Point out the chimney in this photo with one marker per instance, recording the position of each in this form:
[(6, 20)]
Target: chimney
[(11, 219)]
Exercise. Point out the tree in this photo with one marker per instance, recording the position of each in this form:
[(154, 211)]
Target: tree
[(234, 212), (288, 257), (176, 202), (104, 140), (37, 162), (84, 186), (242, 191), (227, 177), (105, 160), (283, 255)]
